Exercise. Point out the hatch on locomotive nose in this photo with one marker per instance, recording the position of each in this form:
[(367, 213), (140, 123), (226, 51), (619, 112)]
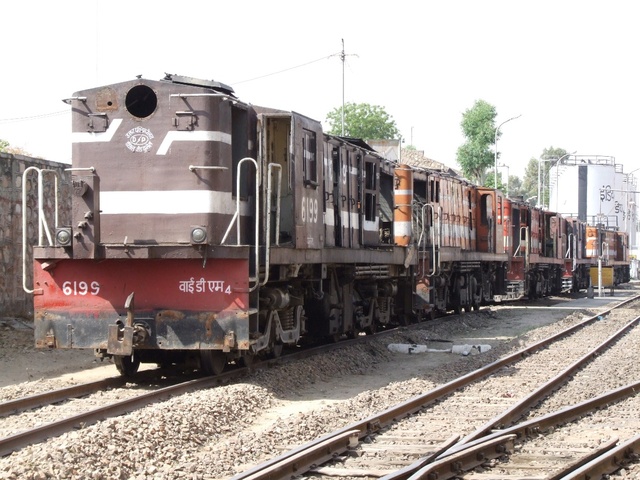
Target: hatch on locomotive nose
[(141, 101)]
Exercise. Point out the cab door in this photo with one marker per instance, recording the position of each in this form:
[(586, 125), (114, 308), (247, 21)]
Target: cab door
[(306, 151), (370, 218)]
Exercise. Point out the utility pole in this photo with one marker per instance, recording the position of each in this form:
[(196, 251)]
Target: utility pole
[(343, 57), (495, 153)]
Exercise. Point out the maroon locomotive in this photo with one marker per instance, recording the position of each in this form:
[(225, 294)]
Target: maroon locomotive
[(205, 230)]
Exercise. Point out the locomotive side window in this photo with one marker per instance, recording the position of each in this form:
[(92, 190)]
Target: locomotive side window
[(370, 191), (435, 190), (310, 161), (486, 207), (141, 101)]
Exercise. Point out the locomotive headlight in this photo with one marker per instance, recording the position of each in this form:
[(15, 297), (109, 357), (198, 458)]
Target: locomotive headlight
[(63, 237), (198, 235)]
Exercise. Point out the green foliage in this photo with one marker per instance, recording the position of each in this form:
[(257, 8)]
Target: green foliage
[(3, 145), (530, 181), (515, 187), (489, 181), (361, 120), (548, 158), (478, 126)]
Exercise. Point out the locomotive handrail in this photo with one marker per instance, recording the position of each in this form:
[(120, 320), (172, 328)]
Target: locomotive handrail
[(436, 239), (433, 238), (85, 169), (490, 235), (224, 96), (193, 168), (71, 99), (574, 245), (267, 242), (527, 249), (568, 254), (42, 220), (419, 227), (257, 217)]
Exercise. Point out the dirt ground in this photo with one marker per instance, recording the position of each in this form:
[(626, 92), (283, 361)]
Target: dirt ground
[(22, 362)]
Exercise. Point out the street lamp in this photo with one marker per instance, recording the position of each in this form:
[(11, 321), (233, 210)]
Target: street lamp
[(495, 153), (507, 167), (540, 204)]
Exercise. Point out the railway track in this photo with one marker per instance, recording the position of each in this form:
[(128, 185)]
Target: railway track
[(415, 434), (147, 422), (100, 401), (80, 405)]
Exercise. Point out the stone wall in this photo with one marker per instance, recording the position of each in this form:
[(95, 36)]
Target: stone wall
[(14, 301)]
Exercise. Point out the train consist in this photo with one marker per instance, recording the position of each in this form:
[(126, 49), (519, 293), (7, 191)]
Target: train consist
[(206, 230)]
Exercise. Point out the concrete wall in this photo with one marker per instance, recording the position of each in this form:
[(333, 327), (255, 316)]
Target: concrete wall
[(14, 301)]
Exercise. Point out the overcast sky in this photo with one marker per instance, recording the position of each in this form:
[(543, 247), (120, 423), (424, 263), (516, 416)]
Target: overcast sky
[(569, 68)]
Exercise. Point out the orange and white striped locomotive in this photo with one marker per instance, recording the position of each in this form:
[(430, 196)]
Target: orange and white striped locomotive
[(205, 230)]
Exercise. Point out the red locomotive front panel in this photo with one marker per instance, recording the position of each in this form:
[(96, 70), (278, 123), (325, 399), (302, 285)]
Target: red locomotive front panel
[(178, 303)]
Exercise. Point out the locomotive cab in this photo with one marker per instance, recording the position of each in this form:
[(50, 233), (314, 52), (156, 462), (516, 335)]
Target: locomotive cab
[(156, 258)]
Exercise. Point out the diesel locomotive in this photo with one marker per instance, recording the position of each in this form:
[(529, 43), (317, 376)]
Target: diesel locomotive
[(206, 230)]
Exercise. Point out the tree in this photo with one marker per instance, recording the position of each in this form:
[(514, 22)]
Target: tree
[(362, 120), (5, 147), (530, 181), (515, 187), (475, 155)]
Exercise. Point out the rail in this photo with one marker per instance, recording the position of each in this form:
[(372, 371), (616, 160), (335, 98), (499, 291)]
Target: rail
[(295, 461), (39, 433), (43, 227), (607, 462)]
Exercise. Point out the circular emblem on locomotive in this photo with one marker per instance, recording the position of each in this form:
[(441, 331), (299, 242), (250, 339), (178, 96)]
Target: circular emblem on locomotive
[(139, 139)]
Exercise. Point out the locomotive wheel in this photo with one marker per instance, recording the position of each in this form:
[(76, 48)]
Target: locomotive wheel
[(476, 294), (212, 362), (247, 359), (372, 329), (127, 365), (276, 351), (457, 308)]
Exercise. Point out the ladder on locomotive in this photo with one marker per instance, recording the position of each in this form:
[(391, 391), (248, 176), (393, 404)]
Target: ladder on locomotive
[(271, 167), (426, 226)]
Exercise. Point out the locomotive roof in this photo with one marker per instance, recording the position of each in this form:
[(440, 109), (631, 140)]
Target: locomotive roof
[(196, 82), (358, 142)]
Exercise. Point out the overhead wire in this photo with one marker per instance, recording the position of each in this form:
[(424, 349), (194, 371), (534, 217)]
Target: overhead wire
[(326, 57), (34, 117), (62, 112)]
